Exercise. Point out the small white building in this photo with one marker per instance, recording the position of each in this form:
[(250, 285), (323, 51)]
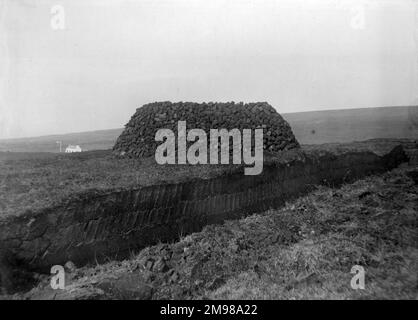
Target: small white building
[(71, 149)]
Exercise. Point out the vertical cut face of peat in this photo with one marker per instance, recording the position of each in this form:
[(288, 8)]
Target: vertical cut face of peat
[(138, 138)]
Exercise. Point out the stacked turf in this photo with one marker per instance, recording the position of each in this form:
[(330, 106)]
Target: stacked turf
[(138, 138)]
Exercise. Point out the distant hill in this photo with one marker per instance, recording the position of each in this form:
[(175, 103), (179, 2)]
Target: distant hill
[(91, 140), (354, 124), (313, 127)]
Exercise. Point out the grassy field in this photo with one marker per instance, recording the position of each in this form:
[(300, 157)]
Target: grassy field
[(302, 251), (31, 181), (309, 128)]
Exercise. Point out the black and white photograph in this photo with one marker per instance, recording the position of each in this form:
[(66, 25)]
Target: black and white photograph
[(208, 154)]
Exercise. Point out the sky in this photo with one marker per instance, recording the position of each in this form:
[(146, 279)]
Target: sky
[(82, 65)]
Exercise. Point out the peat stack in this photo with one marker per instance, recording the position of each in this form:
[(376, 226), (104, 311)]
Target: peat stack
[(138, 138)]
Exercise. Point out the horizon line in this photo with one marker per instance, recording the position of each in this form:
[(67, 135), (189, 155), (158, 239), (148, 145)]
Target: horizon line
[(120, 128)]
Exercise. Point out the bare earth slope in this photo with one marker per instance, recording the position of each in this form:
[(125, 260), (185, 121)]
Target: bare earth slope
[(302, 251)]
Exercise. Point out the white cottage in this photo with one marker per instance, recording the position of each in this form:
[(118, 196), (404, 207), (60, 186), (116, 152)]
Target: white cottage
[(71, 149)]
